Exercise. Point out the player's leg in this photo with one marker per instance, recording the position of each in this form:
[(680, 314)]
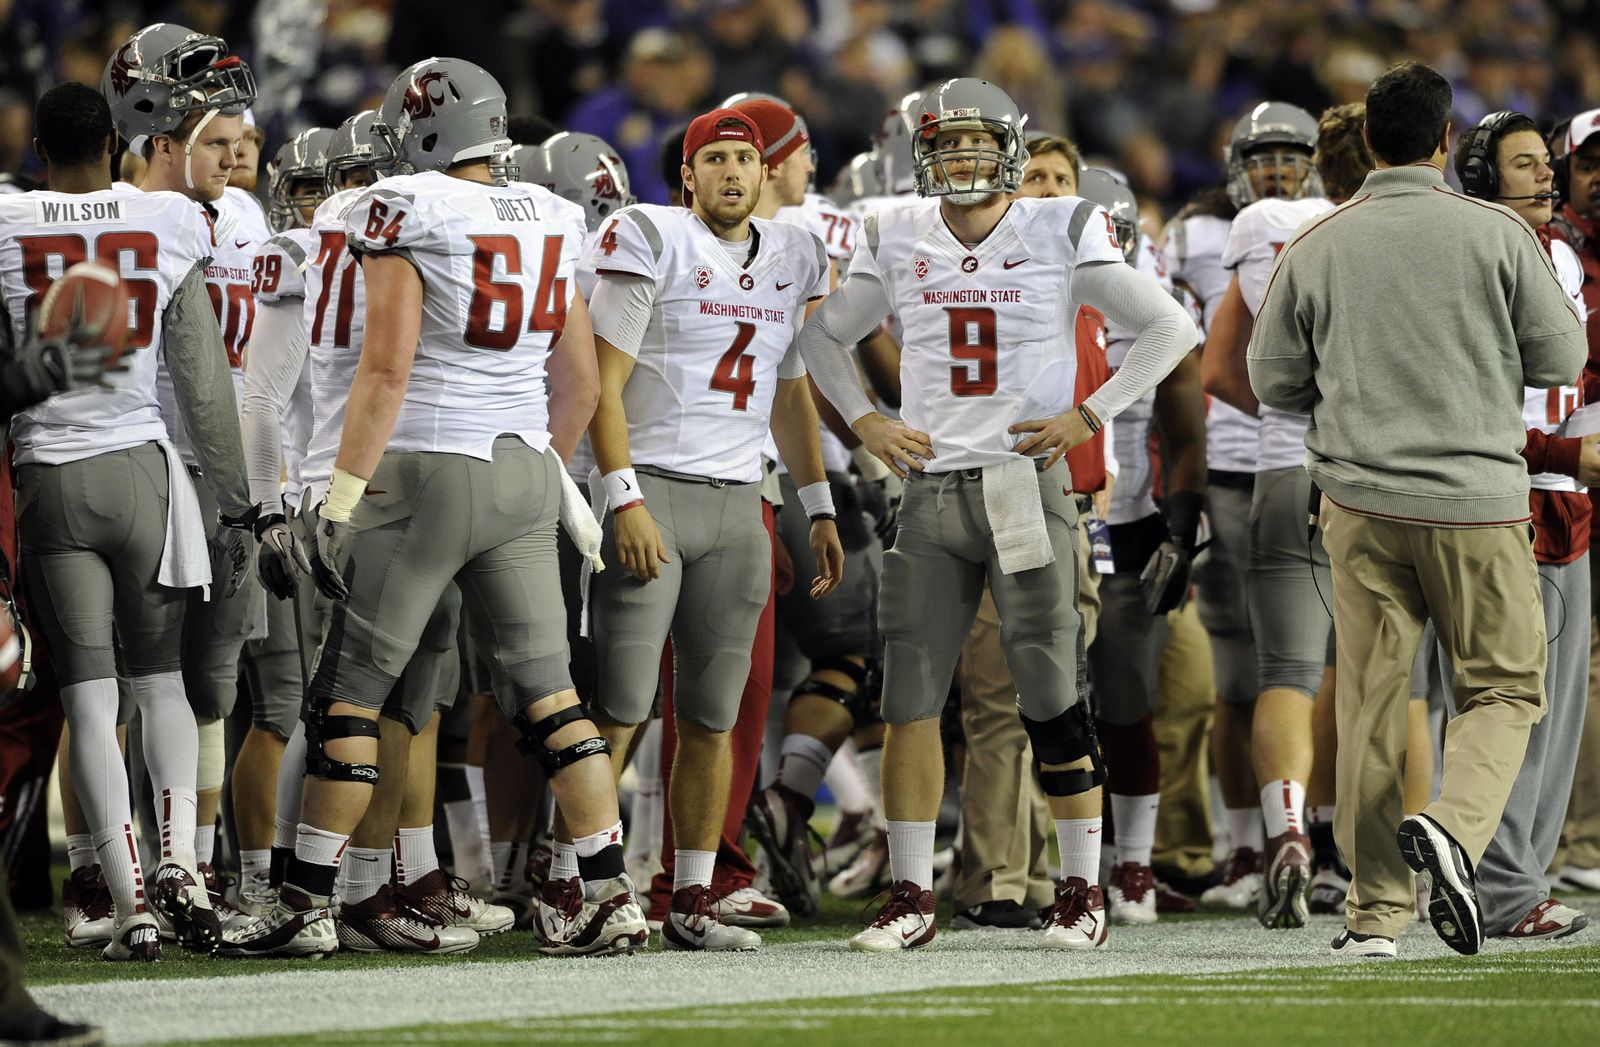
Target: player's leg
[(1330, 879), (273, 672)]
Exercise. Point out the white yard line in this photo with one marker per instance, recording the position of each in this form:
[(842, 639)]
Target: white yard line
[(291, 998)]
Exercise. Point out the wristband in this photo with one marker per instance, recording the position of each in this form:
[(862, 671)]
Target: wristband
[(344, 492), (622, 489), (817, 499), (870, 467), (1094, 424)]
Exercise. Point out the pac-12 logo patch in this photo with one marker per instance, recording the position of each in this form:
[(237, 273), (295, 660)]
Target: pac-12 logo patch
[(702, 276), (920, 267)]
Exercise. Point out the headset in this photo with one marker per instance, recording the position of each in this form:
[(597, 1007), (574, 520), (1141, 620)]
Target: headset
[(1479, 172), (1560, 158)]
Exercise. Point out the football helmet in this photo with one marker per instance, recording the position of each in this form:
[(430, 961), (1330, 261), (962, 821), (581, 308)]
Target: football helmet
[(353, 146), (1104, 188), (303, 158), (733, 100), (585, 169), (1272, 123), (440, 112), (860, 178), (967, 104), (164, 72), (896, 160)]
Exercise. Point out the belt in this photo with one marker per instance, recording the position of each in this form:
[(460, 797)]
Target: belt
[(1231, 478), (688, 478), (962, 475)]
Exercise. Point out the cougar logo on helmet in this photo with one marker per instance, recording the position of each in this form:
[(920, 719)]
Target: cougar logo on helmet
[(928, 118), (605, 186), (122, 67), (420, 100)]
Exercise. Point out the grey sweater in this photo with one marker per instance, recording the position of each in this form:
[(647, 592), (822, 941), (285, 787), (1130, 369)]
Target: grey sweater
[(1407, 323)]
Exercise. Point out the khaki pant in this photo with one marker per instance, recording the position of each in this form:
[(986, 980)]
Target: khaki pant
[(1184, 698), (1581, 837), (1481, 587)]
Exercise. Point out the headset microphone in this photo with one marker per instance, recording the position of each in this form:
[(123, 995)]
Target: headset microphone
[(1550, 195)]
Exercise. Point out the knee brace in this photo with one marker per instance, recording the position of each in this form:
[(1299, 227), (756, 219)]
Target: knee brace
[(536, 735), (852, 701), (1063, 739), (320, 728)]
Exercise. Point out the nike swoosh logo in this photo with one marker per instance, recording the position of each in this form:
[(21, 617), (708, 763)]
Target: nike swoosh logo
[(371, 491), (426, 943), (626, 486), (787, 285), (906, 936), (364, 858), (1009, 264), (1091, 832), (240, 245)]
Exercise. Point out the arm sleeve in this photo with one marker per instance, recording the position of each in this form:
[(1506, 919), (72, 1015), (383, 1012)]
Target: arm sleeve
[(621, 310), (277, 356), (1137, 302), (846, 316), (793, 365), (1548, 323), (198, 363)]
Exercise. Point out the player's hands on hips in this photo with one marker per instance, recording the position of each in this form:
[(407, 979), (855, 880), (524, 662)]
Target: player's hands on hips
[(1059, 434), (898, 446), (829, 552), (1589, 461), (333, 551), (639, 544)]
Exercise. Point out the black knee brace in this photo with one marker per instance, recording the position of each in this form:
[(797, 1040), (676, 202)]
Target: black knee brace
[(1063, 739), (320, 728), (536, 735), (852, 701)]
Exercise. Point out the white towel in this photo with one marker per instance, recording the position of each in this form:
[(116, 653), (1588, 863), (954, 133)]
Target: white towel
[(1016, 515), (578, 519), (186, 558)]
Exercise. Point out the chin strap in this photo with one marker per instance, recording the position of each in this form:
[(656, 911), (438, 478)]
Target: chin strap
[(188, 147)]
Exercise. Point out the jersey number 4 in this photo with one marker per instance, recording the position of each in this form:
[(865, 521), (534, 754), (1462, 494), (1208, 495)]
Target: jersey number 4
[(972, 340), (549, 312), (736, 371), (68, 249)]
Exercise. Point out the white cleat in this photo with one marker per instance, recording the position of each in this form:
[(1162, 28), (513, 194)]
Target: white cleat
[(1077, 920), (868, 874), (86, 908), (294, 926), (447, 901), (611, 923), (383, 923), (559, 910), (749, 907), (1241, 882), (134, 938), (904, 922), (692, 924), (1132, 896)]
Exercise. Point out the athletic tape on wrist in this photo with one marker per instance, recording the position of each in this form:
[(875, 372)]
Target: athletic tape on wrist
[(817, 499)]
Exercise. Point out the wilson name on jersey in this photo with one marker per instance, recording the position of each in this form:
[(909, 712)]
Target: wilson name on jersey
[(497, 266), (154, 240), (988, 331), (699, 400)]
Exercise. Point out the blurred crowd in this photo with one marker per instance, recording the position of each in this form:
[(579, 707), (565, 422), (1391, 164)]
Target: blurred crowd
[(1150, 86)]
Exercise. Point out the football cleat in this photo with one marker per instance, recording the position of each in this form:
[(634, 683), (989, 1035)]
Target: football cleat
[(777, 819), (868, 874), (135, 938), (852, 832), (1241, 882), (1453, 904), (1133, 893), (748, 907), (1171, 900), (558, 910), (217, 888), (1328, 889), (904, 922), (180, 895), (1078, 918), (1283, 895), (384, 923), (1350, 945), (692, 924), (294, 926), (445, 900), (1549, 919), (610, 922), (86, 908)]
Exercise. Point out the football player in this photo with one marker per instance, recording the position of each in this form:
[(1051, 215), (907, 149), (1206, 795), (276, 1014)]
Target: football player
[(983, 286)]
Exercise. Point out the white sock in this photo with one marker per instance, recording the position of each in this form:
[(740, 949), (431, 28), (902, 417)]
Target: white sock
[(471, 848), (291, 782), (846, 782), (1322, 814), (480, 798), (803, 763), (911, 852), (648, 806), (318, 846), (1079, 841), (1244, 828), (283, 833), (205, 843), (564, 866), (1281, 804), (414, 854), (1135, 820), (692, 869), (119, 860), (594, 843), (870, 761), (255, 866), (175, 811), (80, 850), (98, 770), (510, 861), (365, 870)]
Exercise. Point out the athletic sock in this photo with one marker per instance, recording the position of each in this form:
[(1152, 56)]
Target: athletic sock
[(599, 855), (564, 863), (80, 850), (365, 870), (119, 861), (315, 865), (510, 864), (1281, 803), (283, 836), (911, 853), (1079, 841), (801, 766), (1244, 827), (1319, 826), (205, 843), (870, 763), (692, 868), (171, 755), (480, 798), (470, 847), (414, 854), (175, 810), (255, 866), (1135, 820), (846, 782)]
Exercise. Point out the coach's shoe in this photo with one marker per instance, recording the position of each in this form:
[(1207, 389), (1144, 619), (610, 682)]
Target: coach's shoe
[(181, 896), (868, 874), (1133, 893), (1577, 878), (609, 922), (559, 909), (1004, 914), (1549, 919), (294, 926), (779, 819), (384, 923), (1241, 881), (86, 908), (1283, 894), (1453, 905), (850, 834), (1328, 889), (1077, 919), (748, 907), (692, 924), (1352, 946), (904, 922), (445, 900), (134, 938)]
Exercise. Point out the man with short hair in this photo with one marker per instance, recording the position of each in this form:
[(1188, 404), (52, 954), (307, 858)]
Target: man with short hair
[(1415, 439)]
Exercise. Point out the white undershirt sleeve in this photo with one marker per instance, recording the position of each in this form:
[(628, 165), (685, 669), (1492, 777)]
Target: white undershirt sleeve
[(278, 347), (621, 309), (1137, 302), (852, 312)]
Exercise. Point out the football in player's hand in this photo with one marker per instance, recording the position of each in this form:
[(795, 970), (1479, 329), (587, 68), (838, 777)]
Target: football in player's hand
[(89, 304)]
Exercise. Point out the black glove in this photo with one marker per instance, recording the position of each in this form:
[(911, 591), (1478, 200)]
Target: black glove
[(40, 368), (280, 556), (332, 550), (230, 550), (880, 499), (1164, 582)]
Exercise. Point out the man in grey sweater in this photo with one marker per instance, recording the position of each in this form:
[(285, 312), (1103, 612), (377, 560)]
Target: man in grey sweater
[(1407, 323)]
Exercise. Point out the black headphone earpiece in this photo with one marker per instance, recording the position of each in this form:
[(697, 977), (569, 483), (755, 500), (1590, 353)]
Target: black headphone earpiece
[(1560, 159), (1480, 177)]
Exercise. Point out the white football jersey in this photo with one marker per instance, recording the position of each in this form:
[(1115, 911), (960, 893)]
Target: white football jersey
[(154, 240), (335, 318), (497, 266), (583, 455), (987, 328), (1546, 409), (1133, 495), (279, 275), (1193, 254), (699, 400), (818, 215), (1257, 235)]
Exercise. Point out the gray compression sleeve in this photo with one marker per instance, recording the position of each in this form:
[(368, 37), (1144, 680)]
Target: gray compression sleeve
[(1133, 300), (853, 311), (621, 310), (198, 363), (278, 347)]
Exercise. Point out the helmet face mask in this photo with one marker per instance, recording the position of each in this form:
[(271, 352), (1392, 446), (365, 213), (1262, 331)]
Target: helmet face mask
[(355, 151), (166, 72), (1269, 154), (295, 179), (953, 161)]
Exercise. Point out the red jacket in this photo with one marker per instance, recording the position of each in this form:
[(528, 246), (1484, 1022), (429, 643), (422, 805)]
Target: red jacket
[(1088, 460)]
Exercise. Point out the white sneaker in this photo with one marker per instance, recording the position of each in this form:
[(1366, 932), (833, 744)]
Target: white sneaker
[(447, 901), (1352, 946), (1132, 896), (1551, 918), (749, 907), (868, 874), (613, 923), (904, 922), (1328, 890), (294, 926), (1241, 882), (86, 908), (692, 924), (134, 938), (1077, 919), (1580, 879), (255, 895)]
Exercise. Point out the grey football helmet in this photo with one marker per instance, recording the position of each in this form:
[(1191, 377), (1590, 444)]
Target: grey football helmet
[(585, 169), (303, 158), (355, 146), (441, 112), (733, 100), (860, 178), (1256, 171), (967, 104), (896, 160), (164, 72), (525, 163), (1106, 189)]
